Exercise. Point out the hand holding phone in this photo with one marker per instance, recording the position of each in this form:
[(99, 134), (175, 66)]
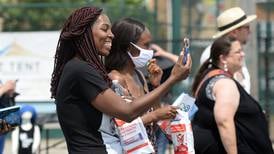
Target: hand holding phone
[(11, 116), (186, 49)]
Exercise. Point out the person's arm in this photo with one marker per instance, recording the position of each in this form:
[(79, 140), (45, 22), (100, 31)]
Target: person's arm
[(161, 52), (36, 139), (166, 112), (110, 103), (226, 104), (5, 127), (9, 87), (162, 113), (15, 141)]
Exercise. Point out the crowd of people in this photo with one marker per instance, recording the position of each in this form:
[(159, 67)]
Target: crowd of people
[(92, 53), (81, 84), (228, 114)]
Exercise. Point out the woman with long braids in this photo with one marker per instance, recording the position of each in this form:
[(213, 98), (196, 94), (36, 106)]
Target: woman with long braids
[(229, 120), (81, 87)]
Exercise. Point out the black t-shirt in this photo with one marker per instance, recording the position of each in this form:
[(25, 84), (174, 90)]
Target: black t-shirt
[(79, 84), (26, 140)]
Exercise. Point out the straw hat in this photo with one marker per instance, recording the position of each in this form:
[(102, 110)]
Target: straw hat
[(231, 19)]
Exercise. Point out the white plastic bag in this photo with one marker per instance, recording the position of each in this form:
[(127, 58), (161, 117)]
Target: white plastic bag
[(134, 137), (181, 134), (179, 131), (186, 104)]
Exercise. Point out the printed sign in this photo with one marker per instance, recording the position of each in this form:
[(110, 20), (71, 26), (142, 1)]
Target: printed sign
[(29, 58)]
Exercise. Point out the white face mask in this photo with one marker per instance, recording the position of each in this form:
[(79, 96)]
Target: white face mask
[(144, 56)]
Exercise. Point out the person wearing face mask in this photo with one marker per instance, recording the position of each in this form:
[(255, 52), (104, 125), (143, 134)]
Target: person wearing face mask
[(81, 87), (130, 52), (143, 58)]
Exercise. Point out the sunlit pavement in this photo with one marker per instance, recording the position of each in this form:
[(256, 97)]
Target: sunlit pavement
[(57, 146)]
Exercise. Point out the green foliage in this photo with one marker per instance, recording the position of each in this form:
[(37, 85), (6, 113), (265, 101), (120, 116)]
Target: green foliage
[(49, 15)]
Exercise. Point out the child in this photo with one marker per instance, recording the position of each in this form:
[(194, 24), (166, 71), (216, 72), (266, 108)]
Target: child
[(26, 138)]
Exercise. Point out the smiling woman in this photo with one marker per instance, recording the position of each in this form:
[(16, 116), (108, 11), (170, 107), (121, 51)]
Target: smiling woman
[(102, 35), (80, 84)]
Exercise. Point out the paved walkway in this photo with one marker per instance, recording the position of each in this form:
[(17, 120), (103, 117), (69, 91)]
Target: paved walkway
[(57, 146)]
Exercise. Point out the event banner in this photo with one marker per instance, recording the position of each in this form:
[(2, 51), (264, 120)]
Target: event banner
[(28, 57)]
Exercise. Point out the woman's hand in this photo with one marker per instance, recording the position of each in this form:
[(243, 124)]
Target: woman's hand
[(162, 113), (181, 71), (5, 127), (158, 49), (162, 53), (155, 73), (8, 87), (165, 112)]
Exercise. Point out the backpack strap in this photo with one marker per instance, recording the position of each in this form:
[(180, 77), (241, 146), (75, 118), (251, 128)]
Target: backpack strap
[(211, 74)]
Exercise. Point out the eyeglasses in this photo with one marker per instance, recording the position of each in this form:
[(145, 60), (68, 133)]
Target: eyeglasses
[(247, 27)]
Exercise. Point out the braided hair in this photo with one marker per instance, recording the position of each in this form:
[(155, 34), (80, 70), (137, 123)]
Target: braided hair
[(76, 39)]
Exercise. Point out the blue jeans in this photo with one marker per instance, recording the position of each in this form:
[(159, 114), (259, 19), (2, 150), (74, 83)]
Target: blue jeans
[(162, 142), (2, 143)]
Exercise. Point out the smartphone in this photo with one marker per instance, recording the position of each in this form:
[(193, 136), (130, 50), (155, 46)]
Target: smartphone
[(186, 49)]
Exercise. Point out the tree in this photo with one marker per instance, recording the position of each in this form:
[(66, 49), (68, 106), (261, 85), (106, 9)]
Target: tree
[(28, 15)]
